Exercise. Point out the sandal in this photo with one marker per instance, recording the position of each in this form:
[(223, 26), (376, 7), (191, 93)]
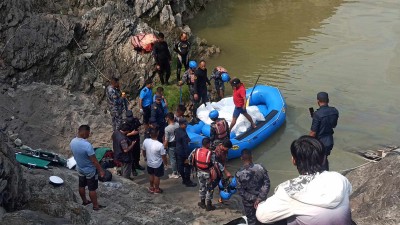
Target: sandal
[(87, 203), (98, 208), (151, 190), (158, 191)]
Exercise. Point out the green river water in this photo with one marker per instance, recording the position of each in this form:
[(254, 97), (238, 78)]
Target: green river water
[(348, 48)]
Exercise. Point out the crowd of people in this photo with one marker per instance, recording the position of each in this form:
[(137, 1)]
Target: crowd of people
[(316, 196)]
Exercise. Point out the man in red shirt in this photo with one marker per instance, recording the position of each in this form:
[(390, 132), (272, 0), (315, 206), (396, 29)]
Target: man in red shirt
[(239, 99)]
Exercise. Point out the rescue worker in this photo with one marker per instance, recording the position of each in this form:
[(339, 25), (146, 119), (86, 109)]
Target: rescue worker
[(220, 75), (145, 101), (182, 48), (219, 129), (162, 57), (239, 99), (182, 153), (200, 86), (115, 103), (323, 122), (122, 148), (170, 143), (134, 136), (158, 115), (221, 155), (204, 161), (253, 185), (189, 77)]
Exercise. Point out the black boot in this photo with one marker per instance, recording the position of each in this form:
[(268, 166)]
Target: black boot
[(202, 204), (209, 206)]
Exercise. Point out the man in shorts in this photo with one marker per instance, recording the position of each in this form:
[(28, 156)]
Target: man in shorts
[(87, 166), (239, 99), (155, 155)]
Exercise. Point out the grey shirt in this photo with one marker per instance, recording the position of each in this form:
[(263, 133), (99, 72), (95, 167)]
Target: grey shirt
[(170, 132)]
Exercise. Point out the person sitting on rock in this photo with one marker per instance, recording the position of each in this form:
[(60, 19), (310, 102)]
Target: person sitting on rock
[(219, 129), (87, 166), (315, 197)]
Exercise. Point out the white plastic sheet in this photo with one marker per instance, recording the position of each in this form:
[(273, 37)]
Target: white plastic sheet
[(225, 107)]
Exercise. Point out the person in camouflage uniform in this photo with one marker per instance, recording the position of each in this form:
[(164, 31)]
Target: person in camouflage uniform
[(206, 183), (253, 185), (115, 103)]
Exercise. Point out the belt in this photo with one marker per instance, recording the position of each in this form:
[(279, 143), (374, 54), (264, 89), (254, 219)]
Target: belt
[(172, 144)]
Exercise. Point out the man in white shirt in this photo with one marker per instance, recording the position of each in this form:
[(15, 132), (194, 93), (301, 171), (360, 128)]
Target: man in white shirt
[(155, 155), (315, 197)]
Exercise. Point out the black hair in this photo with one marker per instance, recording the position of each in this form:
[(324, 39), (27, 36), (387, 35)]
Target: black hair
[(206, 141), (125, 127), (161, 35), (181, 108), (309, 154), (170, 116), (84, 127), (148, 81), (153, 132), (114, 79), (227, 143), (160, 89), (246, 155), (202, 61)]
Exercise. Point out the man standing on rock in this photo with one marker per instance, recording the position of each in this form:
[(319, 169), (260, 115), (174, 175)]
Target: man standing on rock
[(115, 102), (145, 101), (323, 122), (253, 185), (170, 143), (158, 115), (155, 156), (316, 196), (122, 148), (182, 48), (162, 57), (200, 86), (134, 136), (189, 77), (87, 166), (182, 153)]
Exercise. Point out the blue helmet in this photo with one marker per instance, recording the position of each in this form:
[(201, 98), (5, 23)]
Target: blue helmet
[(225, 195), (233, 183), (225, 77), (213, 114), (192, 64)]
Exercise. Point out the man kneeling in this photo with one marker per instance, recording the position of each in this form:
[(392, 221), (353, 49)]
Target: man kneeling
[(315, 197)]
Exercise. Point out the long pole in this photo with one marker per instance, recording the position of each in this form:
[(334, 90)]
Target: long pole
[(248, 100)]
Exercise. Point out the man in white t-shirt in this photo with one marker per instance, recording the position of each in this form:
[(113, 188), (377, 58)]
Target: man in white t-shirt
[(155, 156)]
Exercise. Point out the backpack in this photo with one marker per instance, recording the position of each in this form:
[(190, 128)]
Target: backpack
[(143, 43), (220, 155), (221, 129), (218, 71), (202, 158)]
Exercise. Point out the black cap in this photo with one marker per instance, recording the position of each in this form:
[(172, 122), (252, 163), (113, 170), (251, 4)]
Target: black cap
[(235, 81), (227, 143), (158, 97), (182, 121), (323, 97)]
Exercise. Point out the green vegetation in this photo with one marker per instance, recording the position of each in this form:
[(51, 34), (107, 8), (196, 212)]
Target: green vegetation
[(172, 94)]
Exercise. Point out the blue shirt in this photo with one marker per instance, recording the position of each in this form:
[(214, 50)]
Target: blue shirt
[(162, 103), (146, 95), (82, 150)]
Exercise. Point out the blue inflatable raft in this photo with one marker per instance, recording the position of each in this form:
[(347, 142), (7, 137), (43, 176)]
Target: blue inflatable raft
[(270, 103)]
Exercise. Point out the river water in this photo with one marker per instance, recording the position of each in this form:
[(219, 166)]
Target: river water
[(349, 49)]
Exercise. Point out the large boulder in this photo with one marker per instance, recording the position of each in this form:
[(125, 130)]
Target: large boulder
[(376, 193)]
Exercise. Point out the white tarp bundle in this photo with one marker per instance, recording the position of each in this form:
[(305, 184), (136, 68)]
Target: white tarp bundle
[(225, 108)]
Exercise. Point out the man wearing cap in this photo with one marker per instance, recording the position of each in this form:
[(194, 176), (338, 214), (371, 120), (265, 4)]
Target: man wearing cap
[(158, 115), (323, 122), (182, 153), (239, 99), (115, 103), (145, 101)]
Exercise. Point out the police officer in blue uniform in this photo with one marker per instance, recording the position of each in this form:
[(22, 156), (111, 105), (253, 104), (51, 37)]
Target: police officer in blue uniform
[(158, 115), (324, 120), (115, 103)]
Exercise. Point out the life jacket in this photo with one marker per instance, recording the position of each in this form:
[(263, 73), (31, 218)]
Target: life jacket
[(218, 71), (143, 43), (202, 158), (221, 129)]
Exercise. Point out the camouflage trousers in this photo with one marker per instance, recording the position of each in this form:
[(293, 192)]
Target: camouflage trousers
[(250, 212), (205, 187), (116, 119)]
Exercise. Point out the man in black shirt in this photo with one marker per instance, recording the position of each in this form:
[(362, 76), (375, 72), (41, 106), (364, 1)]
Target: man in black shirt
[(162, 57), (134, 136), (323, 122), (200, 86), (182, 153), (122, 147), (182, 48), (158, 115)]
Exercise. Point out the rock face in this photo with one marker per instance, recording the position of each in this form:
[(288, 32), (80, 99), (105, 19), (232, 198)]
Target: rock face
[(376, 193)]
